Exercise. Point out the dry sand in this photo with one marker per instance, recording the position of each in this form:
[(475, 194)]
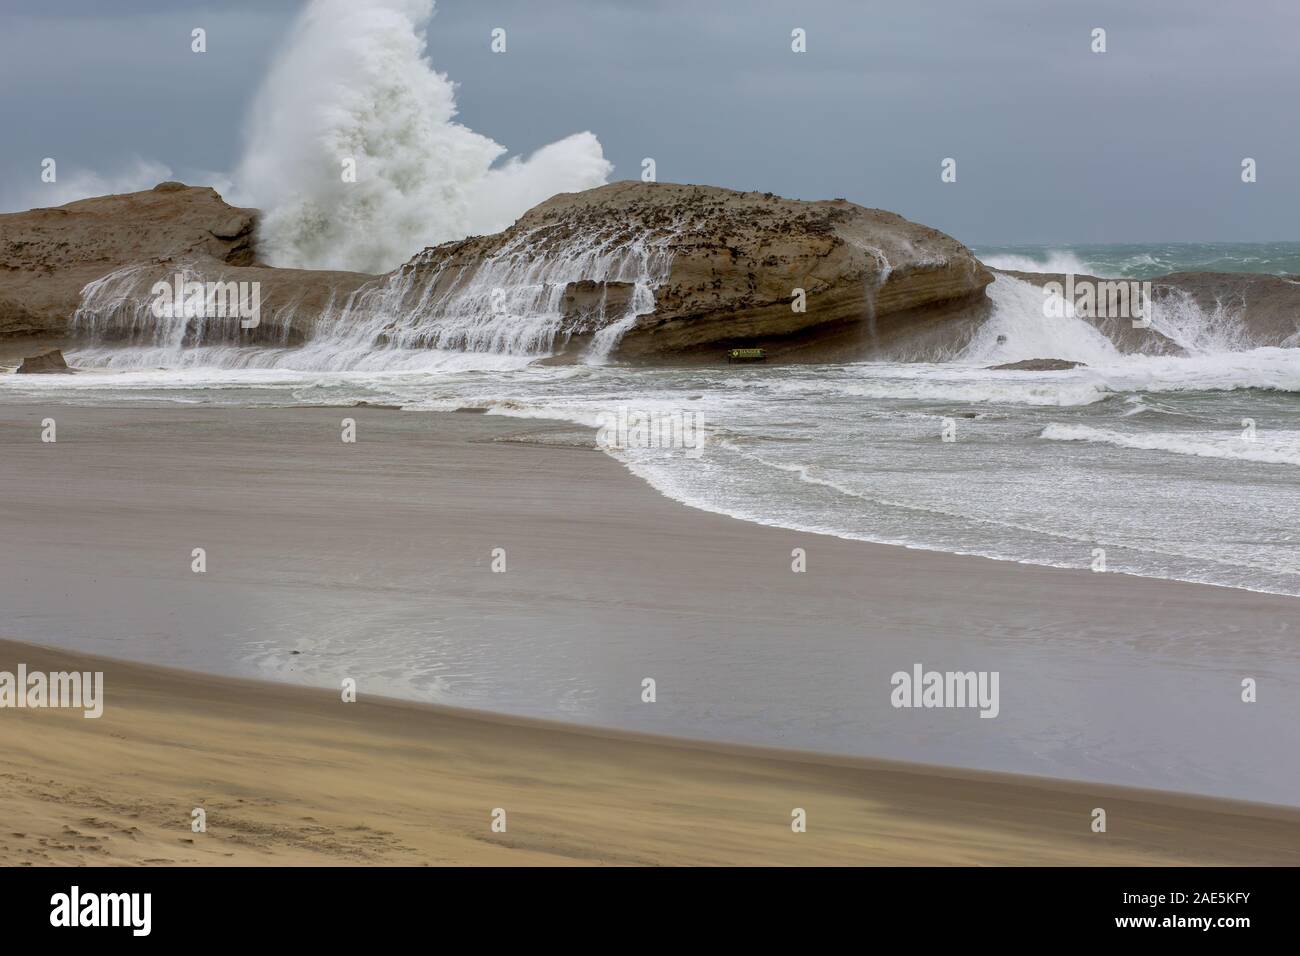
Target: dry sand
[(292, 775)]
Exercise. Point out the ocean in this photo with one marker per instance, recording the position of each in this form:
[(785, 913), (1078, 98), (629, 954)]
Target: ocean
[(1145, 260), (1181, 467)]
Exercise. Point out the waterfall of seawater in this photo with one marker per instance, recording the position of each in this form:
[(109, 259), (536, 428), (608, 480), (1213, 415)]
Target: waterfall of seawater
[(1019, 328), (606, 340), (512, 307), (121, 307), (512, 303)]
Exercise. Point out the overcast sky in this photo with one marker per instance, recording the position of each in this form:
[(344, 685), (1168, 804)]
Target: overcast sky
[(1054, 143)]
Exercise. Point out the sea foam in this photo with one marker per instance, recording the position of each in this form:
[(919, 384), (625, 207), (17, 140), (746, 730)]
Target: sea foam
[(1279, 449), (353, 83)]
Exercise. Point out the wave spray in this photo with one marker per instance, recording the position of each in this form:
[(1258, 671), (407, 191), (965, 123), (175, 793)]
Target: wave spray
[(353, 86)]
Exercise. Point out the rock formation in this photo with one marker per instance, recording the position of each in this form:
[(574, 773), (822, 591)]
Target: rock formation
[(1037, 365), (641, 272), (722, 269), (49, 255), (1251, 309), (122, 245), (47, 363)]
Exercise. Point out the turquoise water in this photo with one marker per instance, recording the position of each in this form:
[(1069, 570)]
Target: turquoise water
[(1146, 260)]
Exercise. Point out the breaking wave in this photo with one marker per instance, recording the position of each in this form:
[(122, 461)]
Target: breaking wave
[(1279, 449), (1050, 262), (1017, 330), (354, 84)]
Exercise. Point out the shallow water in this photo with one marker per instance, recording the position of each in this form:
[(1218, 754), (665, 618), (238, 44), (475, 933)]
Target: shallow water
[(1182, 468)]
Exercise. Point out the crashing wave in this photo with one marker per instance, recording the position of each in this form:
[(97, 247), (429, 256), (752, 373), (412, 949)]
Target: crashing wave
[(353, 92)]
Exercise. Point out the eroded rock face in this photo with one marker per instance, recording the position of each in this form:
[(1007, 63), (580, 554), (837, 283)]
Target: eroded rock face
[(1263, 309), (691, 270), (636, 271), (126, 243), (1246, 310), (587, 303), (116, 309), (642, 272), (48, 255), (631, 270)]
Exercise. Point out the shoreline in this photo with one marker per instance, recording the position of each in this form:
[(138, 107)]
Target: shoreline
[(71, 660), (381, 566), (658, 483), (294, 776), (906, 545)]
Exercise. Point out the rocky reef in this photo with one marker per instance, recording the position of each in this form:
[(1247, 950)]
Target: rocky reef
[(633, 271), (85, 270), (1242, 309), (673, 272)]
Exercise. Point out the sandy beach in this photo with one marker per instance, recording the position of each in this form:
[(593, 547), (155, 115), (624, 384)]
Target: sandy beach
[(295, 776), (343, 548), (374, 561), (417, 455)]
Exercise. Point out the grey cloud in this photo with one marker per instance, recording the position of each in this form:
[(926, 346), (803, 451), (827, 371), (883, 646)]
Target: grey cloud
[(1053, 143)]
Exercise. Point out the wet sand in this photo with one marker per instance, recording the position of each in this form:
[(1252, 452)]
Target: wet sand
[(290, 775)]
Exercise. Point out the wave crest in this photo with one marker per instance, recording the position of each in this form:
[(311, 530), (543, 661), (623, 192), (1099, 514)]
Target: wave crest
[(353, 83), (1280, 449)]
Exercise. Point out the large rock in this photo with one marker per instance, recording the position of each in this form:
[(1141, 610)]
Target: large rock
[(634, 271), (48, 255), (84, 270), (1037, 365), (641, 271), (1257, 309), (714, 269), (47, 363), (1242, 309)]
